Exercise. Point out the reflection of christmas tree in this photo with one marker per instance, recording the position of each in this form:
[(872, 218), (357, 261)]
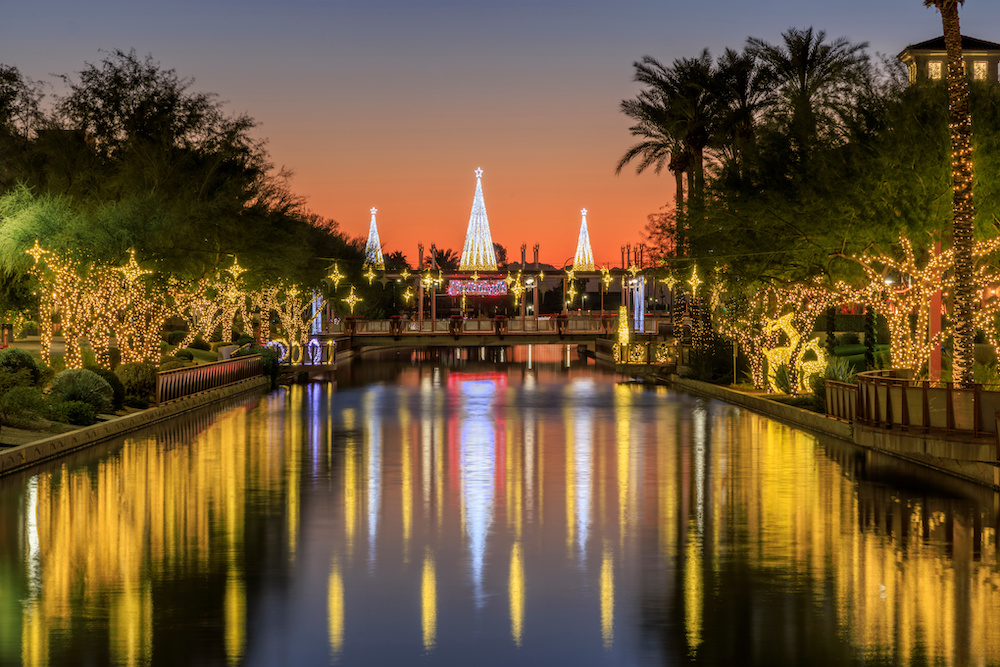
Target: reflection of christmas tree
[(373, 250), (478, 253), (584, 260)]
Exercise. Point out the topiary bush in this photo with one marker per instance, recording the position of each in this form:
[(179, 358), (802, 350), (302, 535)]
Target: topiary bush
[(201, 344), (14, 360), (175, 337), (849, 338), (183, 354), (139, 379), (79, 384), (117, 388), (78, 413)]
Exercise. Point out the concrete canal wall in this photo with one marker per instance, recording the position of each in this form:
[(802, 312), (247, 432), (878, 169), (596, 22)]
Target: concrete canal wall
[(972, 459), (22, 456)]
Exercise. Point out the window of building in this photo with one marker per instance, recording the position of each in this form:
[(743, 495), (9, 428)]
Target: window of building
[(979, 69), (934, 70), (913, 72)]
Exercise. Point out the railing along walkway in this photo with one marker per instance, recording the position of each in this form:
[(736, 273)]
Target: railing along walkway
[(183, 382), (890, 399)]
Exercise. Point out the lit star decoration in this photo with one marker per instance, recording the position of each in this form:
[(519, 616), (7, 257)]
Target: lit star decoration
[(669, 281), (408, 295), (695, 280), (606, 276), (236, 270), (634, 270), (336, 276), (405, 273), (475, 276), (36, 251), (351, 300), (370, 275), (132, 271), (571, 293), (517, 289)]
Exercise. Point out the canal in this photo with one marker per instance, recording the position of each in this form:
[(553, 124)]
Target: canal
[(530, 508)]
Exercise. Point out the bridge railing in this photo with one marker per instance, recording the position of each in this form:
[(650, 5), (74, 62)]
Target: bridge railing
[(183, 382), (543, 324)]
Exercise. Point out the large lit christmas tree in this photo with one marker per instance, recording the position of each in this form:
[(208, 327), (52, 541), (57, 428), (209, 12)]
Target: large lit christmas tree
[(373, 250), (584, 259), (478, 254)]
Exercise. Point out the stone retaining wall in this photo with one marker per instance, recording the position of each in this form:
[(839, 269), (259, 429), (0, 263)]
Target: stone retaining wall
[(22, 456), (969, 458)]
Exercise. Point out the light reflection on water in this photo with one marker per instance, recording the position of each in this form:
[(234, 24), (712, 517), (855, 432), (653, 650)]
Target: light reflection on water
[(447, 511)]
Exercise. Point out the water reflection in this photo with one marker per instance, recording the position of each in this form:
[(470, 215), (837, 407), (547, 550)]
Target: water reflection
[(447, 507)]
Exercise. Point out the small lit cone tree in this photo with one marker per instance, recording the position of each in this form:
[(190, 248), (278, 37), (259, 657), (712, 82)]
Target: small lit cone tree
[(963, 208)]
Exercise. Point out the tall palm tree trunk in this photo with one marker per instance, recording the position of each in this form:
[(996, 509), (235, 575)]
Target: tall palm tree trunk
[(963, 209)]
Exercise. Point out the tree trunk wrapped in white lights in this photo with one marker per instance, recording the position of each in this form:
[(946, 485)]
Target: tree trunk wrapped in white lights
[(478, 253)]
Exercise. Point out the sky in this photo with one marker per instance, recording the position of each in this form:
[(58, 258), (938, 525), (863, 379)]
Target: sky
[(394, 104)]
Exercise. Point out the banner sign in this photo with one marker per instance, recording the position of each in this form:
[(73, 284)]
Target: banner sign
[(477, 287)]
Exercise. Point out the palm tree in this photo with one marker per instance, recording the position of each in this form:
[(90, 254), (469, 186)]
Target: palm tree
[(814, 82), (963, 208), (662, 143), (740, 94), (674, 116)]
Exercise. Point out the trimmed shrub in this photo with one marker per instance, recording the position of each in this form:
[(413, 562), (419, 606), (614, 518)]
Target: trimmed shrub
[(175, 337), (244, 339), (14, 359), (172, 364), (78, 413), (183, 354), (139, 379), (849, 338), (79, 384), (201, 344), (268, 358), (21, 406), (117, 388), (133, 401)]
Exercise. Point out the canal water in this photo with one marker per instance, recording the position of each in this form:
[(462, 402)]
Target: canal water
[(529, 508)]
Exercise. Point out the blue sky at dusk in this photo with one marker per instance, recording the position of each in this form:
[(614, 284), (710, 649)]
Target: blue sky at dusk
[(395, 104)]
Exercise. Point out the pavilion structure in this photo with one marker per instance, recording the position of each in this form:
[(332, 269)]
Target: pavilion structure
[(373, 249), (478, 253)]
